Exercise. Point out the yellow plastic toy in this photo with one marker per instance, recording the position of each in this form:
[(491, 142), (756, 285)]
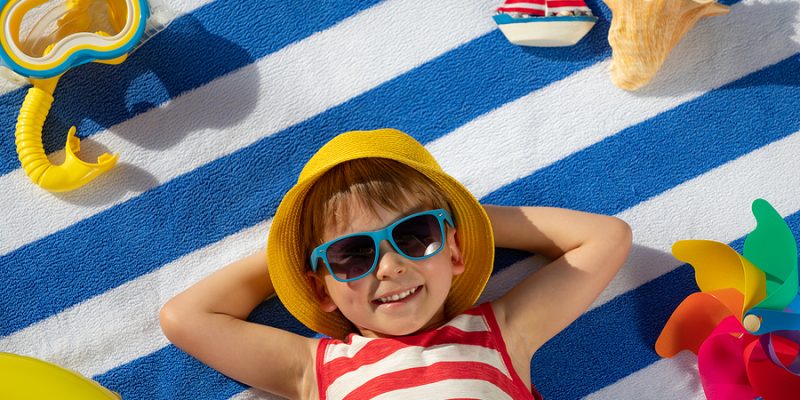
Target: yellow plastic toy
[(65, 34), (28, 378)]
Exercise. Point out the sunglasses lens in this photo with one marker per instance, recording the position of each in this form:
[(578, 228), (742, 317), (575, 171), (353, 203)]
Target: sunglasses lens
[(419, 236), (352, 256)]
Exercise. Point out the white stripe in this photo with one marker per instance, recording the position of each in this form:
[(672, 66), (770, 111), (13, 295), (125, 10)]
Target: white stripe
[(448, 389), (547, 125), (411, 357), (469, 323), (126, 314), (281, 90), (179, 7), (335, 351), (671, 379)]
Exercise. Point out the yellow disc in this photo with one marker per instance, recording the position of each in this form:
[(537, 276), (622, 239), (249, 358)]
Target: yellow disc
[(28, 378)]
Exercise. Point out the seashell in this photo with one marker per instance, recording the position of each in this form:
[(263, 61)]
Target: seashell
[(643, 32)]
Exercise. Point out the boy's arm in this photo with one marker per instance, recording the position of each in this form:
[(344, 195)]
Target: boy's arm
[(586, 251), (208, 321)]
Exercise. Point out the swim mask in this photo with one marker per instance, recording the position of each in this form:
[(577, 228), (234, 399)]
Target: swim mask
[(44, 38)]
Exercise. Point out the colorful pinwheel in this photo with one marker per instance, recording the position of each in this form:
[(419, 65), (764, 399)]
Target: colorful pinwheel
[(744, 324)]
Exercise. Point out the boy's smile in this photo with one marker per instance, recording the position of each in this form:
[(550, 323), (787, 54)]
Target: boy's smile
[(396, 297), (401, 296)]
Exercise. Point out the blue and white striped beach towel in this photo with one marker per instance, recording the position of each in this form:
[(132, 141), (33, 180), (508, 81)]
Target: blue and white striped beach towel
[(214, 117)]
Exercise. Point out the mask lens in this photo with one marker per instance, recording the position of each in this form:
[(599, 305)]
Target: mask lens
[(419, 236), (352, 256), (57, 19)]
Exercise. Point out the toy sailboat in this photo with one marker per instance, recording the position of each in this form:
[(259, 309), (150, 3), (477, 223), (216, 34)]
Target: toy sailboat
[(544, 23)]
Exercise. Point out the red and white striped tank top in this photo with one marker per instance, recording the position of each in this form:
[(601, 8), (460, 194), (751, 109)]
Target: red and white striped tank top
[(463, 359)]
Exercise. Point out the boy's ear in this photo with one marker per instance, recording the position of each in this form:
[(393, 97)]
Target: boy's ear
[(456, 258), (324, 299)]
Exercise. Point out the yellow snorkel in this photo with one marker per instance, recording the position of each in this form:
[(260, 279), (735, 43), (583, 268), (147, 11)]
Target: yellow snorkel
[(62, 36)]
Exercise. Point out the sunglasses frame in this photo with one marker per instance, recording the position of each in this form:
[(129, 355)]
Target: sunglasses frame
[(378, 236)]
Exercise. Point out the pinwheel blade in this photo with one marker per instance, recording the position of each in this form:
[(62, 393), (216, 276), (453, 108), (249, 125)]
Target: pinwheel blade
[(772, 247), (695, 318), (721, 364), (770, 380), (717, 266)]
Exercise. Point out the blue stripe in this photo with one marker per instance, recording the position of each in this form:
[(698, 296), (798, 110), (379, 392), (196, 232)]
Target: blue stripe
[(195, 49), (244, 188), (169, 374)]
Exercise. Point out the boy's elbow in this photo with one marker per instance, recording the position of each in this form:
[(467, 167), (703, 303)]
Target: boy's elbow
[(626, 233), (170, 317), (622, 234)]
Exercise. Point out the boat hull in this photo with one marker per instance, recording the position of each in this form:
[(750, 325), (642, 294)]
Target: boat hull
[(545, 31)]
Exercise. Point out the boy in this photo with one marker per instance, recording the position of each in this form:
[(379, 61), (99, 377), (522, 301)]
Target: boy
[(378, 248)]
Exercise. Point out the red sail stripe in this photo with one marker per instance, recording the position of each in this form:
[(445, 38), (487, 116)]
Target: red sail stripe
[(523, 6)]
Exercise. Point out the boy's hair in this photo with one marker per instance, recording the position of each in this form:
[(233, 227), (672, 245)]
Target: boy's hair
[(366, 183)]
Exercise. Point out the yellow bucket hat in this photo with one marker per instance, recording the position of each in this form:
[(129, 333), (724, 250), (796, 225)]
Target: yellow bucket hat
[(287, 264)]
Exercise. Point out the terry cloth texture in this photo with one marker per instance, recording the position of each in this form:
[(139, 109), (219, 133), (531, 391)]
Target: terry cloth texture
[(215, 116)]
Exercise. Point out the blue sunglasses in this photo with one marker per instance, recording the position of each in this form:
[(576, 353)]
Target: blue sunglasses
[(354, 256)]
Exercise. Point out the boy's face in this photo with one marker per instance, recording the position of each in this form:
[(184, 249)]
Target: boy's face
[(359, 300)]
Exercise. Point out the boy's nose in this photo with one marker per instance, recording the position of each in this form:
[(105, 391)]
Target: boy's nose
[(391, 263)]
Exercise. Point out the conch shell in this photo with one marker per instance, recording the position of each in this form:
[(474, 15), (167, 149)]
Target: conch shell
[(643, 32)]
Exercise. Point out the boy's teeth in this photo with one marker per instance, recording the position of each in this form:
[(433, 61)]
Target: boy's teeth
[(398, 296)]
